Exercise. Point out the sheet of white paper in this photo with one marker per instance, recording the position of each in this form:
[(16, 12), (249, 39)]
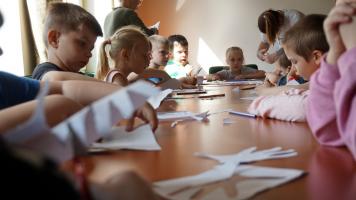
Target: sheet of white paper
[(73, 135), (237, 82), (104, 113), (155, 101), (250, 155), (181, 115), (35, 134), (218, 173), (142, 138), (262, 178)]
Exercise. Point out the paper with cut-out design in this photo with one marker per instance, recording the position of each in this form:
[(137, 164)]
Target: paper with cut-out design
[(181, 115), (230, 179), (76, 133), (155, 101), (141, 138), (245, 182)]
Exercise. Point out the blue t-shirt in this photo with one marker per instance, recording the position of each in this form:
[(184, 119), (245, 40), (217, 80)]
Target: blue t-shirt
[(15, 90)]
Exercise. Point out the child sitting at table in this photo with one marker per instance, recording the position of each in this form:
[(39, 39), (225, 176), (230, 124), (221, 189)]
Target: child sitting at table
[(155, 72), (179, 66), (69, 34), (129, 51), (284, 73), (304, 45), (331, 105), (235, 59)]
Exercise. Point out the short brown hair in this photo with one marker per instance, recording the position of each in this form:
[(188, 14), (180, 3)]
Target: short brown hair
[(306, 36), (68, 17), (177, 38), (283, 61)]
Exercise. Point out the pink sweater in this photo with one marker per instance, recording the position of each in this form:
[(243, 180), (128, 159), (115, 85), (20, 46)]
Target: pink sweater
[(331, 112)]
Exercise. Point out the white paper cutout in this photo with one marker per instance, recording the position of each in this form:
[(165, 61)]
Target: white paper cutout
[(155, 101), (218, 173), (141, 138), (206, 186), (237, 82), (74, 135), (250, 155), (181, 115)]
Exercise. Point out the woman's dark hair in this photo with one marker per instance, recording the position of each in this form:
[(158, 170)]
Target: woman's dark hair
[(269, 23)]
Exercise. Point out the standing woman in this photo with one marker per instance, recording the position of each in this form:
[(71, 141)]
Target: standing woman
[(125, 15), (273, 24)]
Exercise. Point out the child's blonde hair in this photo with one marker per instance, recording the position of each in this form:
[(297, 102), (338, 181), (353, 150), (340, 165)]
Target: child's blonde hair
[(124, 38), (237, 49), (68, 17), (158, 39)]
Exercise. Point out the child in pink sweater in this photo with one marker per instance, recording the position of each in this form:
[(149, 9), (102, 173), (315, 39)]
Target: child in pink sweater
[(304, 44), (332, 101)]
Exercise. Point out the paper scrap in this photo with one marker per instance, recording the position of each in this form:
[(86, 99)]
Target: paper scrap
[(141, 138), (155, 101)]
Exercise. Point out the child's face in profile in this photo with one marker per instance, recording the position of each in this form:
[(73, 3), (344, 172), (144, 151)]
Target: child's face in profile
[(304, 68), (160, 54), (234, 59), (282, 70), (74, 48), (180, 53), (140, 57)]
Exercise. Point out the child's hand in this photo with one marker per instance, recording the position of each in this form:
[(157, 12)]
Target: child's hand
[(212, 77), (147, 114), (272, 77), (270, 58), (340, 14), (239, 77), (267, 83)]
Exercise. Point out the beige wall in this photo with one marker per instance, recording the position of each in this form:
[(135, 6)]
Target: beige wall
[(211, 26)]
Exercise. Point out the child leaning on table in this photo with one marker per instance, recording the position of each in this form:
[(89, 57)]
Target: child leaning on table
[(36, 172), (283, 74), (331, 105), (304, 45), (69, 34), (159, 59), (235, 59), (130, 51)]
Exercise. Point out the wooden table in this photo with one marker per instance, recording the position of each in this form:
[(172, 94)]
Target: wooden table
[(331, 172)]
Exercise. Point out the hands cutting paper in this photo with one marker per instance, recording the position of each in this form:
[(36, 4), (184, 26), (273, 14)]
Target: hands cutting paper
[(84, 127)]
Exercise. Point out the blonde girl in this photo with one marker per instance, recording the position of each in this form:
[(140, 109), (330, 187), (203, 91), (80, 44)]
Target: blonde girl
[(129, 51)]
